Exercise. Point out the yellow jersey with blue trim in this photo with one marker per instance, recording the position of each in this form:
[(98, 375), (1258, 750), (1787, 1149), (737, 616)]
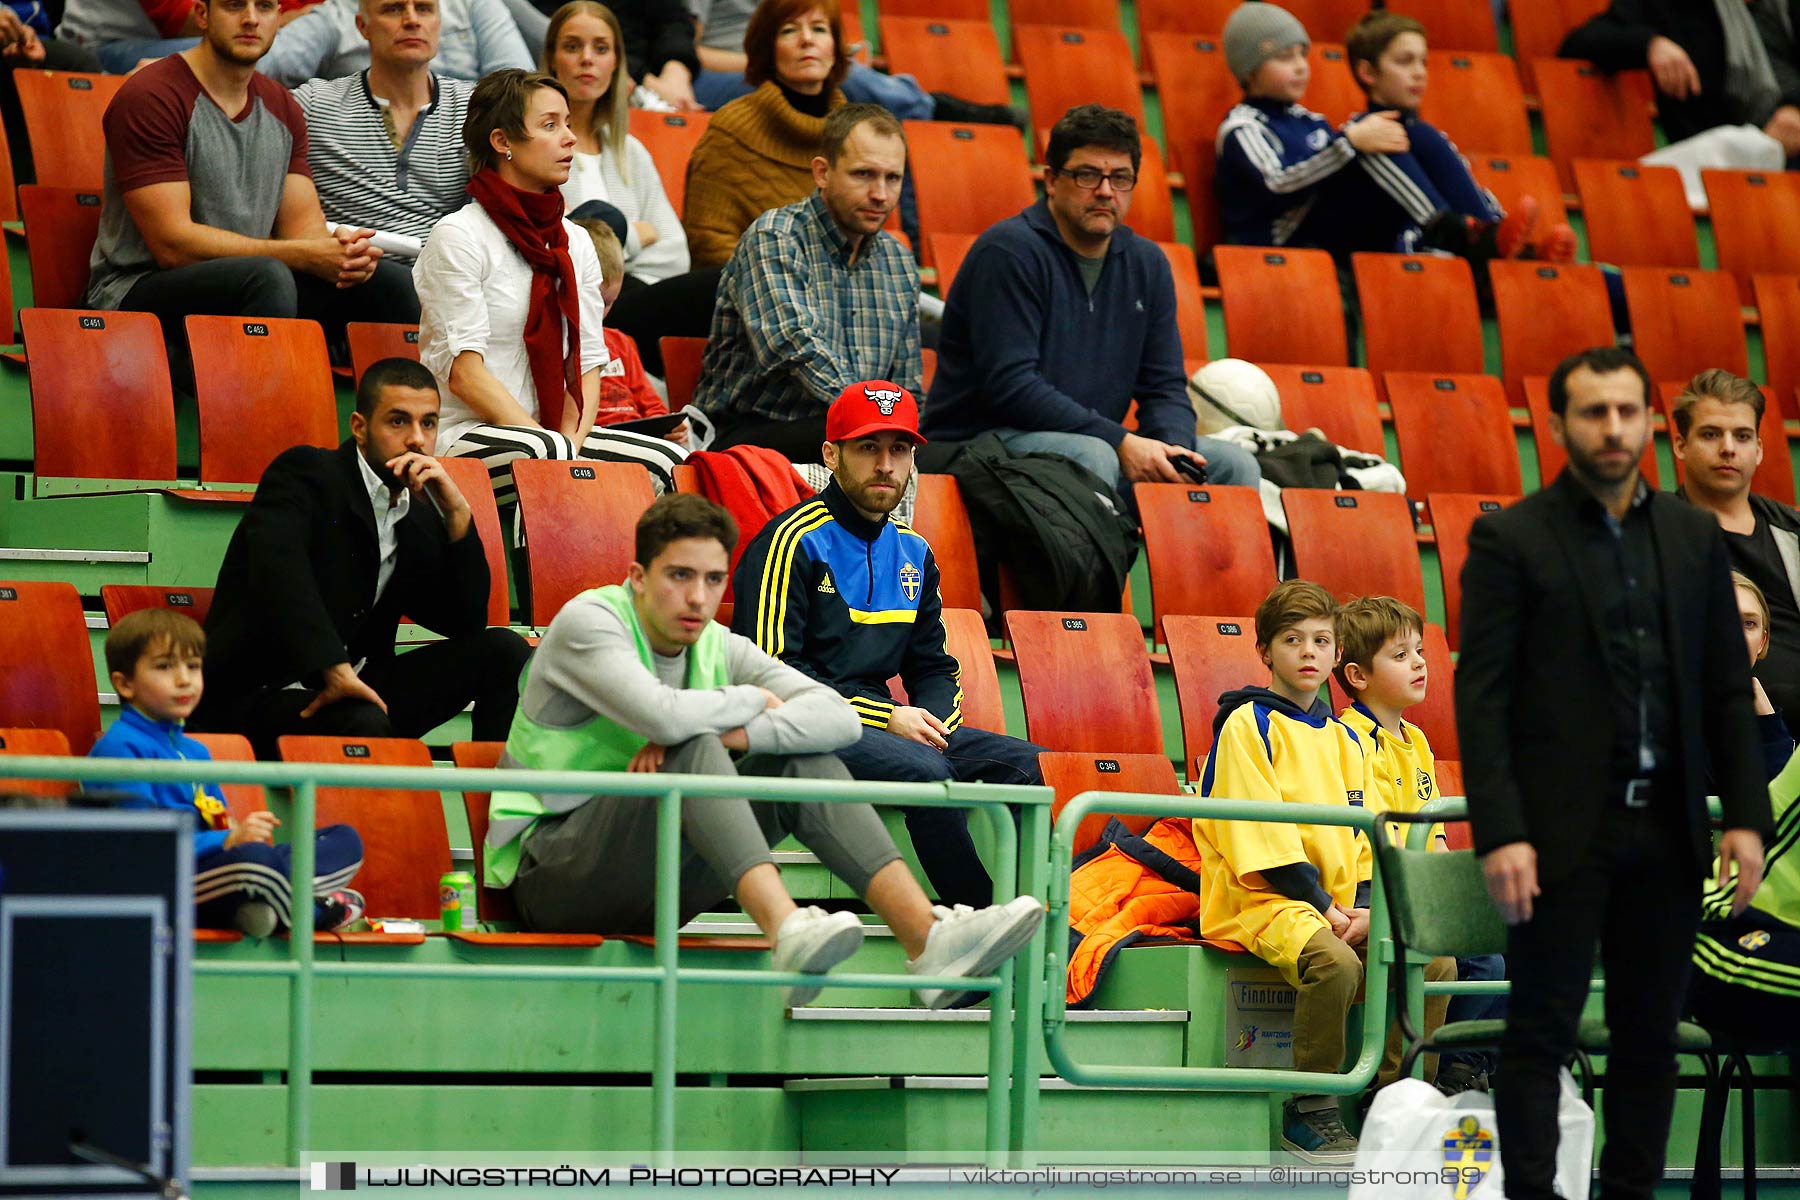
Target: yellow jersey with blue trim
[(1268, 749), (851, 602), (1405, 771)]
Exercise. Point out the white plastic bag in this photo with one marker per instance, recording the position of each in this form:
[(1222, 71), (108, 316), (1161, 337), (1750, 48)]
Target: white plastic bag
[(1727, 147), (1418, 1144)]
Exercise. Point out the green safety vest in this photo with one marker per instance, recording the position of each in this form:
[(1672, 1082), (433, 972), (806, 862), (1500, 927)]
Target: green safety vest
[(598, 744)]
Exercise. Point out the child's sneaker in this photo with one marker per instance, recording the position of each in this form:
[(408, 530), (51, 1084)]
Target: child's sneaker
[(1557, 246), (337, 910), (255, 918), (1513, 235), (812, 941), (1312, 1129), (973, 941)]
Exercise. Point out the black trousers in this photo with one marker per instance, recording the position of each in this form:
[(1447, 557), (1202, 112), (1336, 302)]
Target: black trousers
[(799, 441), (422, 689), (680, 306), (1636, 894)]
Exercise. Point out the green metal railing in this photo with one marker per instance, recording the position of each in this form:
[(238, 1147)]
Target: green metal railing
[(1224, 1079), (1012, 1046)]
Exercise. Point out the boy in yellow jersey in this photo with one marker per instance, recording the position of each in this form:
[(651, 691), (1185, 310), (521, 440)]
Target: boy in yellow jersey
[(1382, 668), (1294, 895)]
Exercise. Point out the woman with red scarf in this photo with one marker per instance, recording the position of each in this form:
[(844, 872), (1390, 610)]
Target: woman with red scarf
[(509, 296)]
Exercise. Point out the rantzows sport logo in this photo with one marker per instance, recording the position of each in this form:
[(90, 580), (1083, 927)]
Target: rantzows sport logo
[(333, 1177), (1246, 1039)]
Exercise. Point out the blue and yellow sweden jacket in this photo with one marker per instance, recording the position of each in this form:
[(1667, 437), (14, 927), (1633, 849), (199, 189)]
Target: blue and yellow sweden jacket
[(851, 603)]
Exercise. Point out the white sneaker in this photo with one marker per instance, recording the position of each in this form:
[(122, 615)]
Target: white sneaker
[(642, 97), (813, 941), (973, 941)]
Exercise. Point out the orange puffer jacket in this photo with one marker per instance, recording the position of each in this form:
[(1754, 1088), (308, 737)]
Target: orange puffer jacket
[(1131, 890)]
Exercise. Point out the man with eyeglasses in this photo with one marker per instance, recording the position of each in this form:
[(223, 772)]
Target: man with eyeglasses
[(1060, 317)]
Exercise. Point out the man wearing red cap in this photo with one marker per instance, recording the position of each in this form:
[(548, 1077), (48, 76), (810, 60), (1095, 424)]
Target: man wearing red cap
[(835, 589)]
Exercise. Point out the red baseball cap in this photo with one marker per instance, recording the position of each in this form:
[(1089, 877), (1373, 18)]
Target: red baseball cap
[(872, 406)]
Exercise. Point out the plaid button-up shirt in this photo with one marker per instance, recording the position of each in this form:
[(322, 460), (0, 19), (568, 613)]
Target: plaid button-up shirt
[(798, 321)]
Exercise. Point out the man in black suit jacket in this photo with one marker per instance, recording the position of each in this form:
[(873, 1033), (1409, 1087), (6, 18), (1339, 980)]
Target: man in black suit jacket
[(336, 546), (1602, 676)]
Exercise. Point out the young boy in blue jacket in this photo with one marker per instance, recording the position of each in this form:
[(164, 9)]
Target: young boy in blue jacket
[(240, 876)]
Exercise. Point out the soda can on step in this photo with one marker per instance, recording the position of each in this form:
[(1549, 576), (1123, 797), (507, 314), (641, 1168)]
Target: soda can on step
[(456, 901)]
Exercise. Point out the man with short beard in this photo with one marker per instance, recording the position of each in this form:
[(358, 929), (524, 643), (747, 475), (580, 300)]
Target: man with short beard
[(850, 597), (209, 205)]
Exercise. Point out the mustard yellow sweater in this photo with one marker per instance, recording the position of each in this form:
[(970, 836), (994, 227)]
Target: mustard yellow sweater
[(756, 154)]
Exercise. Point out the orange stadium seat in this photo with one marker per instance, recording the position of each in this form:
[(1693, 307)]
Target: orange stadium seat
[(1069, 775), (9, 204), (1328, 20), (670, 138), (1551, 456), (101, 404), (1281, 305), (62, 120), (1450, 783), (35, 743), (406, 849), (371, 341), (1067, 66), (6, 296), (966, 177), (1513, 176), (927, 368), (1637, 216), (241, 799), (956, 10), (60, 227), (1184, 16), (947, 250), (1076, 14), (471, 477), (122, 599), (960, 57), (681, 359), (1333, 92), (1590, 114), (1546, 313), (1355, 543), (48, 664), (1211, 655), (1059, 655), (1453, 25), (1755, 222), (1152, 212), (1452, 513), (1399, 293), (262, 386), (1539, 27), (1190, 307), (1337, 401), (1774, 478), (1195, 90), (965, 637), (1778, 302), (1477, 101), (1208, 548), (580, 526), (1685, 321), (1455, 434), (941, 519), (1436, 715)]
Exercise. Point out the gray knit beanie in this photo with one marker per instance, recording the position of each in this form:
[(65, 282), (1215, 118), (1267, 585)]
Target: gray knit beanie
[(1257, 32)]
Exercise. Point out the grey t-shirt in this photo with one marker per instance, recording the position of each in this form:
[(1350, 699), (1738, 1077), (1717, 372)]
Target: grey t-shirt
[(163, 127), (588, 664), (1090, 270)]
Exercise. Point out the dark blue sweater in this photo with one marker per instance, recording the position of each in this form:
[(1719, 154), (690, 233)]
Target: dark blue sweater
[(1025, 347), (134, 735)]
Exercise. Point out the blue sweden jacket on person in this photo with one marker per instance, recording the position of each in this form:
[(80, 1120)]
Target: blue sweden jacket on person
[(1025, 347), (134, 735)]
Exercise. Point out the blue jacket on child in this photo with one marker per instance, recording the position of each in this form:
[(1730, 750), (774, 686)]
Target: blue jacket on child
[(1274, 158), (134, 735)]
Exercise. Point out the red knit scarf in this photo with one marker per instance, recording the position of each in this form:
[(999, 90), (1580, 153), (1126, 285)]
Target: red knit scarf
[(532, 222)]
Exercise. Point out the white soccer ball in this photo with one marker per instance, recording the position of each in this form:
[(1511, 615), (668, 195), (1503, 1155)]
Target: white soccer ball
[(1242, 387)]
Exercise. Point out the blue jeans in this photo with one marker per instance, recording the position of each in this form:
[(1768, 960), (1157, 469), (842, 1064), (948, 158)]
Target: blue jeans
[(1226, 462), (899, 94), (940, 836), (1485, 968), (118, 58)]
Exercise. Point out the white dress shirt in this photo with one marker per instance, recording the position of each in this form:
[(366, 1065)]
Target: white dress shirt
[(474, 292), (390, 510)]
